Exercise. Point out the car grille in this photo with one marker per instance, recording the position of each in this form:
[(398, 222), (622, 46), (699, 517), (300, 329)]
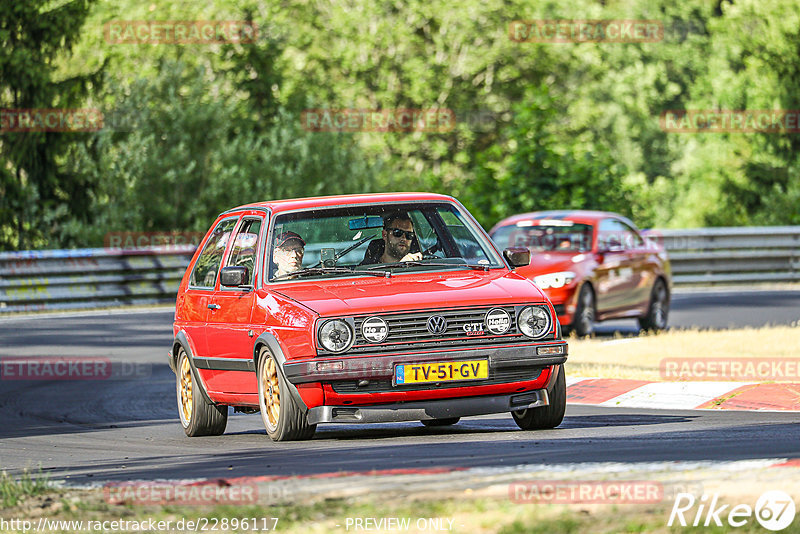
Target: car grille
[(496, 376), (408, 330)]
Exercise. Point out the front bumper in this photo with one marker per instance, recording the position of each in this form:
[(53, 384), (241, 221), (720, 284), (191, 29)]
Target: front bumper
[(375, 367), (564, 300), (432, 409)]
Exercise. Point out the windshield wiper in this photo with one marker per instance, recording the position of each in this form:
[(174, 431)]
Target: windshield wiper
[(332, 270), (416, 263), (481, 266)]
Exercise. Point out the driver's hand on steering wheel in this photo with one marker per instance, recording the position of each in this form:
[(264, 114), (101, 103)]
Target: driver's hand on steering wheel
[(412, 256)]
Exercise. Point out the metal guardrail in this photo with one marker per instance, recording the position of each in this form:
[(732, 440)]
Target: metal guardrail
[(733, 255), (93, 278), (90, 278)]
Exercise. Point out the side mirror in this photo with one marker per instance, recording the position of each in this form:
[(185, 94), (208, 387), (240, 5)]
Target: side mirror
[(517, 256), (233, 276)]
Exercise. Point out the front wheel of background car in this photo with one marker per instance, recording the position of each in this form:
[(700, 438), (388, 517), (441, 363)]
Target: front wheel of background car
[(583, 321), (549, 416), (658, 310), (199, 417), (282, 418), (441, 422)]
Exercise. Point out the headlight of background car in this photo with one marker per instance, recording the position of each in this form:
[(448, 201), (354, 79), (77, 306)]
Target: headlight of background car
[(554, 280), (336, 335), (534, 321)]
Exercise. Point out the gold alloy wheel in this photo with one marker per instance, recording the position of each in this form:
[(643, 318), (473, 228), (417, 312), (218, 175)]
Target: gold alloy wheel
[(186, 386), (272, 392)]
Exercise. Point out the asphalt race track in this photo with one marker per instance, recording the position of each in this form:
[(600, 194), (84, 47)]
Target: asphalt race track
[(94, 431)]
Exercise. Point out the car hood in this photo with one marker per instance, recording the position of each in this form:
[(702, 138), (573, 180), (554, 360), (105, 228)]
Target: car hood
[(544, 263), (348, 296)]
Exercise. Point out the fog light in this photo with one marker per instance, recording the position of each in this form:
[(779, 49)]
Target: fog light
[(330, 366), (550, 350)]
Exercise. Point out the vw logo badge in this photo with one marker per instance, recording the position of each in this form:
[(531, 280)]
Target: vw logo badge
[(437, 324)]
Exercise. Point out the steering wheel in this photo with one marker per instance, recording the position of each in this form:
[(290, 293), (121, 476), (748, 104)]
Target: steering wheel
[(428, 253)]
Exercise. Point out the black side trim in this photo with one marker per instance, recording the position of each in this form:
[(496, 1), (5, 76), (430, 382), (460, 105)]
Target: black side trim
[(225, 364), (275, 348)]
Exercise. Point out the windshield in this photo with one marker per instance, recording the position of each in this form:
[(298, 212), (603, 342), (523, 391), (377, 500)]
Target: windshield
[(377, 239), (539, 236)]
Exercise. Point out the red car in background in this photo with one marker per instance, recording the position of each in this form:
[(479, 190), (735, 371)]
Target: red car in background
[(593, 265)]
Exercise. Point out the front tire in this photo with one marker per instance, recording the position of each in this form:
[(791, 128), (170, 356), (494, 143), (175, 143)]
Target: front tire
[(549, 416), (658, 309), (583, 321), (199, 416), (282, 418)]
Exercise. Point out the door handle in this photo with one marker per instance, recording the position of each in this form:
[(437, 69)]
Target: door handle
[(214, 306)]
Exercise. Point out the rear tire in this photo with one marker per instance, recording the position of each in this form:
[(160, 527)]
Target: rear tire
[(583, 320), (199, 416), (282, 418), (441, 422), (549, 416), (658, 309)]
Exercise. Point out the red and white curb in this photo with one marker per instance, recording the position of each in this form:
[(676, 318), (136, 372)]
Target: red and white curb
[(624, 393)]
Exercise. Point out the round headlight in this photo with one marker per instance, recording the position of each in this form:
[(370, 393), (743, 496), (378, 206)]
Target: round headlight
[(336, 335), (534, 321)]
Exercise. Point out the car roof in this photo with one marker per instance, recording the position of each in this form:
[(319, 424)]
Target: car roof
[(292, 204), (578, 216)]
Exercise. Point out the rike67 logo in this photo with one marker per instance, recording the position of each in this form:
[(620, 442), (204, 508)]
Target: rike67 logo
[(774, 510)]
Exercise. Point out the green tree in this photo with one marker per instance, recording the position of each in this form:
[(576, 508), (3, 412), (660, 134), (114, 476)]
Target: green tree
[(180, 156), (545, 163), (36, 196)]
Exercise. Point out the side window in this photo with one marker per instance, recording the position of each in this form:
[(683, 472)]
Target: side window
[(468, 247), (616, 235), (610, 235), (243, 250), (207, 267), (632, 240)]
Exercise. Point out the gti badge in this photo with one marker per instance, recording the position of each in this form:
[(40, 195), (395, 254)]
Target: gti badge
[(474, 329)]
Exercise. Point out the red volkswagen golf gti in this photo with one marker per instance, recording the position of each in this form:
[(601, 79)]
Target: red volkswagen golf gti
[(593, 265), (361, 309)]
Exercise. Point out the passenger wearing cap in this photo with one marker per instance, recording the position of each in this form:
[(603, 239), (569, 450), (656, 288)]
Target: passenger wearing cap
[(288, 254)]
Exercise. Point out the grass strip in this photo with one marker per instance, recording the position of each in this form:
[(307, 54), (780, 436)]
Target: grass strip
[(639, 357), (13, 489)]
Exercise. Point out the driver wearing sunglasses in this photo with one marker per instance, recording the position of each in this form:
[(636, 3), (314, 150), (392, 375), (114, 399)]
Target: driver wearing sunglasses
[(398, 237)]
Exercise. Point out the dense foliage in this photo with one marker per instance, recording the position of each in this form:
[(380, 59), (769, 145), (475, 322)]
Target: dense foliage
[(193, 129)]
